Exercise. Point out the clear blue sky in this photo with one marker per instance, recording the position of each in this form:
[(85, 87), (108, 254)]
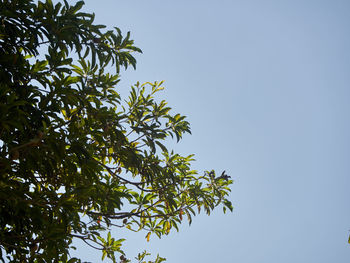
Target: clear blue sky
[(266, 87)]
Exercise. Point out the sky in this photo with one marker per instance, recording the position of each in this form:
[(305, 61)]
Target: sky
[(266, 87)]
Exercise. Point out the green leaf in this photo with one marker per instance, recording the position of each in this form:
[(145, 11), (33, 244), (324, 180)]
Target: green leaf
[(73, 260), (164, 149), (104, 253)]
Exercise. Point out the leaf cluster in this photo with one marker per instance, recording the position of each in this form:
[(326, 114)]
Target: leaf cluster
[(77, 159)]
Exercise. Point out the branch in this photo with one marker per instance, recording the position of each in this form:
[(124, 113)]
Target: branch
[(84, 238)]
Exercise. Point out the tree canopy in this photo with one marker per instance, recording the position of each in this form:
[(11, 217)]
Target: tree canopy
[(77, 159)]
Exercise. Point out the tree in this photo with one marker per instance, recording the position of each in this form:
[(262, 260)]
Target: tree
[(75, 158)]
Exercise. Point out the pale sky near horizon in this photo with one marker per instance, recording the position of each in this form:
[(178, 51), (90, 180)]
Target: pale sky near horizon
[(266, 87)]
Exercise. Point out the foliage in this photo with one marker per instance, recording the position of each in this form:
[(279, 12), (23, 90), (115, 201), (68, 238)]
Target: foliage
[(75, 158)]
